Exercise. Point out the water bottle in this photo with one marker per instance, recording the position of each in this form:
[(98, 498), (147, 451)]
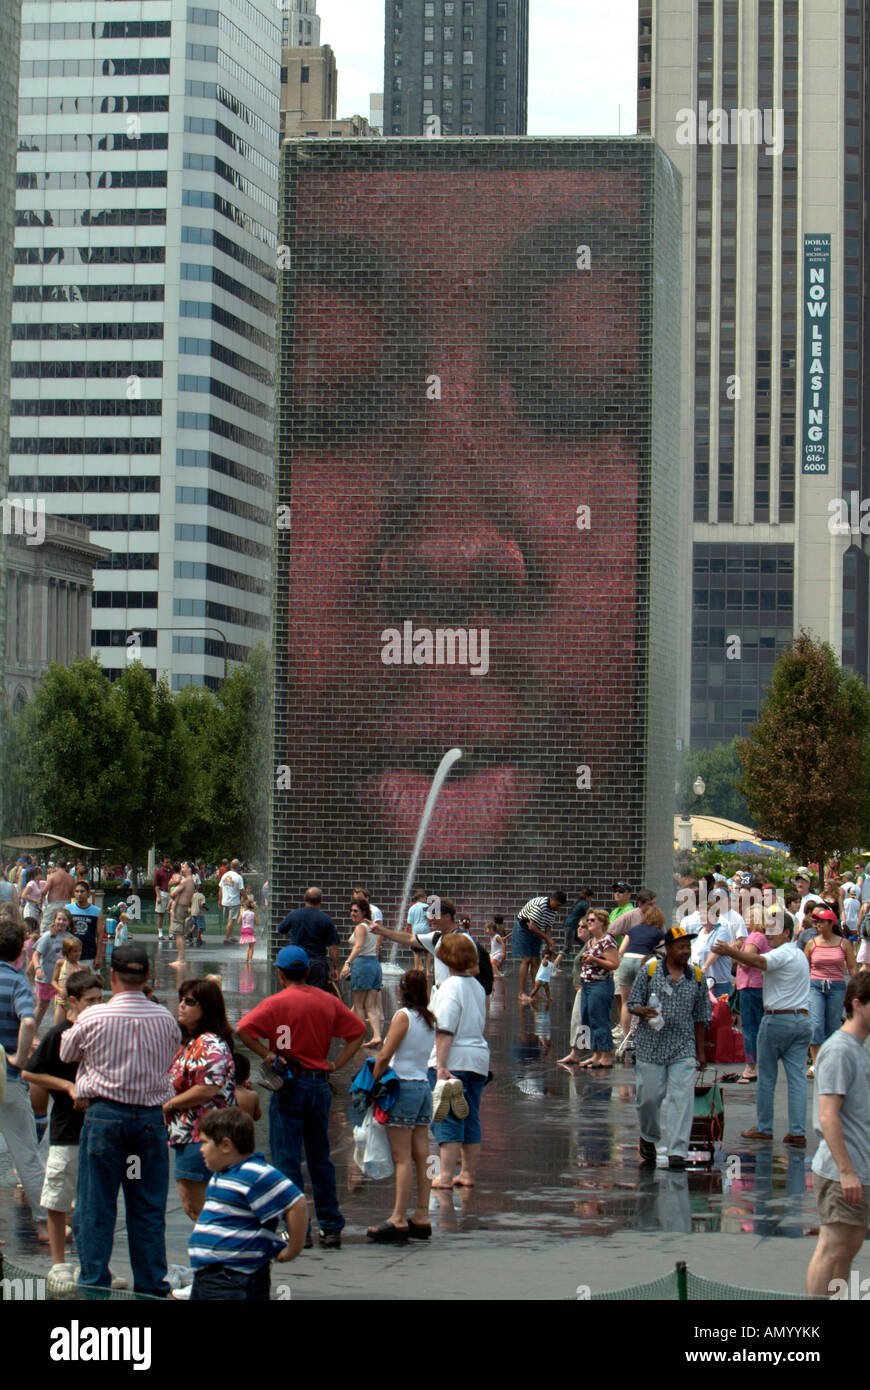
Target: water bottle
[(657, 1021)]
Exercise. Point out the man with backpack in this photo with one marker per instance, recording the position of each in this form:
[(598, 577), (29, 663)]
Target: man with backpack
[(671, 1000)]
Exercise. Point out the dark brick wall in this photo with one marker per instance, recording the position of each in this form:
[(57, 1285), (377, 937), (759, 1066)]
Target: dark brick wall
[(419, 267)]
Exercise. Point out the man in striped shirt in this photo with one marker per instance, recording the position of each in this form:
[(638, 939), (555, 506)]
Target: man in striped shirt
[(236, 1235), (533, 924), (125, 1048)]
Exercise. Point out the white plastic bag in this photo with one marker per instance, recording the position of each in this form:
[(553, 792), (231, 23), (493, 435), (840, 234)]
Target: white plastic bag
[(372, 1153)]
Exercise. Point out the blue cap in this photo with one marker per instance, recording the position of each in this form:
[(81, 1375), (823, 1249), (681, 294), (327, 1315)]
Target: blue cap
[(292, 960)]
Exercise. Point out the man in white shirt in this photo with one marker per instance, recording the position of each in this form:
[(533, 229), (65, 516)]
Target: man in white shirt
[(231, 886), (428, 941), (728, 914), (716, 969), (803, 883), (785, 1029)]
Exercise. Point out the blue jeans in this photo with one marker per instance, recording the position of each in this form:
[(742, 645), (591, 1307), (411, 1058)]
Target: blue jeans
[(595, 1002), (467, 1131), (112, 1136), (297, 1118), (826, 1007), (784, 1037), (751, 1014)]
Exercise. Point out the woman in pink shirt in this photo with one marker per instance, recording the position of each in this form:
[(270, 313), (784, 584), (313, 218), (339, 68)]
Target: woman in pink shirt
[(749, 992), (830, 956)]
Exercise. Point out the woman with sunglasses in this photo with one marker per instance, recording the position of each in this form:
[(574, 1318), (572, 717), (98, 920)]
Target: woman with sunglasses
[(204, 1076), (830, 956), (598, 965)]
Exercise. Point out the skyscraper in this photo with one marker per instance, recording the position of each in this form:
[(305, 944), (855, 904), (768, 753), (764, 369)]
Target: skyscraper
[(300, 24), (464, 62), (9, 41), (763, 107), (143, 331)]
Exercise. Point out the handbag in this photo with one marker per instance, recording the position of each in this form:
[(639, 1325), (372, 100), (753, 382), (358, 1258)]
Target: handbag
[(372, 1153)]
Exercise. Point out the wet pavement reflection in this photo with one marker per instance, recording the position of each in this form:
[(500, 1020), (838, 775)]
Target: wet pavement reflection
[(559, 1153)]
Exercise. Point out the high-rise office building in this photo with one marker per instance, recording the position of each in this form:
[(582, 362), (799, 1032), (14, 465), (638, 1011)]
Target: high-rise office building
[(144, 314), (300, 24), (465, 62), (763, 107), (9, 42)]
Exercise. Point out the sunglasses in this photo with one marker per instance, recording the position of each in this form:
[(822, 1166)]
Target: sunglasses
[(191, 1003)]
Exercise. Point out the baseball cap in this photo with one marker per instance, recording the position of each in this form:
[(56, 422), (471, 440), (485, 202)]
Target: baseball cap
[(292, 960), (803, 872), (826, 915), (620, 886), (851, 889), (130, 960), (675, 934)]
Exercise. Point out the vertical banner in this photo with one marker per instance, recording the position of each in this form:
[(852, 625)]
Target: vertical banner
[(815, 396)]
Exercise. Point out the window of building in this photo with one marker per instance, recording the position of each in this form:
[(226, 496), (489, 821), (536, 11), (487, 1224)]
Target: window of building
[(427, 108), (501, 34), (467, 84), (467, 107), (468, 8), (449, 9), (500, 130), (428, 57), (500, 108), (501, 10), (397, 10), (397, 33), (429, 33), (396, 130), (448, 32), (501, 83), (448, 57), (467, 57), (501, 60), (397, 84), (429, 10), (397, 106), (467, 35), (447, 106), (397, 59), (467, 130), (304, 72), (427, 82), (447, 81)]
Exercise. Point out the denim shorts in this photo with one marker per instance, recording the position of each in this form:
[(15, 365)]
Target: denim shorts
[(413, 1105), (365, 973), (189, 1164), (524, 943)]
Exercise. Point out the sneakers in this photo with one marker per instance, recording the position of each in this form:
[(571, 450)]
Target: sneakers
[(330, 1240), (648, 1154), (676, 1161), (458, 1103), (182, 1294), (61, 1279), (447, 1093)]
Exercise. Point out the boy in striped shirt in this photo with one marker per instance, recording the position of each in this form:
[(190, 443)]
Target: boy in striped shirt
[(236, 1236)]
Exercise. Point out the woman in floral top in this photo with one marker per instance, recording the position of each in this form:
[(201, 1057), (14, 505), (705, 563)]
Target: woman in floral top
[(204, 1077), (598, 963)]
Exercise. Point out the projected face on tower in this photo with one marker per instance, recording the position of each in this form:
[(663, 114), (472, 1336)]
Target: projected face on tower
[(465, 353)]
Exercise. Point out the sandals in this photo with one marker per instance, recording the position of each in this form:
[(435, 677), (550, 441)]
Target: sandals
[(388, 1234), (746, 1080), (419, 1231)]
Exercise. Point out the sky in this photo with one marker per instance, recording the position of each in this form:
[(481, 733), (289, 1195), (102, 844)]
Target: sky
[(582, 62)]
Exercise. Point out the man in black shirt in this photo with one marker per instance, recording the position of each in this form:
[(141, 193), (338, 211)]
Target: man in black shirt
[(314, 930), (65, 1125)]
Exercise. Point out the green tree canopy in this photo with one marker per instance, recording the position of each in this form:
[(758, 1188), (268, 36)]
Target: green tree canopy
[(719, 767), (806, 763)]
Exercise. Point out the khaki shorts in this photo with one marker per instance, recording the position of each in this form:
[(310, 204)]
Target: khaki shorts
[(162, 904), (832, 1205), (61, 1177)]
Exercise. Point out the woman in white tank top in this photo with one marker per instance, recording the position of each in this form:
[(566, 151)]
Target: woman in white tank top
[(406, 1049)]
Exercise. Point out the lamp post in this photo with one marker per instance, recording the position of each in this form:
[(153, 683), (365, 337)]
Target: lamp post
[(134, 647)]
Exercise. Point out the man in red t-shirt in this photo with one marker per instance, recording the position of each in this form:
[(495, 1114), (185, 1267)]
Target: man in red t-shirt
[(162, 875), (299, 1024)]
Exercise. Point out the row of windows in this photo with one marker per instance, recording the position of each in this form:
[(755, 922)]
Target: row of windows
[(56, 405), (216, 20), (95, 67), (211, 535), (206, 458), (197, 420), (76, 482), (87, 294), (113, 29), (117, 637), (90, 255), (58, 444), (132, 598), (212, 275), (467, 9), (207, 347), (214, 91), (64, 332), (448, 84), (113, 521), (210, 497), (72, 105), (199, 198), (91, 217), (131, 560), (49, 144), (212, 386), (56, 367), (233, 579), (203, 309), (206, 236), (79, 178), (211, 164), (221, 612), (202, 125), (210, 646), (209, 53), (252, 14)]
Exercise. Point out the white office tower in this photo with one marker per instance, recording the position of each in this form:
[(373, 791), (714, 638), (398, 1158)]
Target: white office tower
[(300, 24), (144, 313)]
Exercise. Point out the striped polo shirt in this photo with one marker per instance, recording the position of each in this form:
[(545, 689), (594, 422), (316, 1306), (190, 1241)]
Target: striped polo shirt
[(238, 1224), (125, 1047), (538, 910)]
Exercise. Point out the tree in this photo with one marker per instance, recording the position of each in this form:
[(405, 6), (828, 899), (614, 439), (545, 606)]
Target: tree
[(719, 767), (162, 788), (806, 763), (81, 756)]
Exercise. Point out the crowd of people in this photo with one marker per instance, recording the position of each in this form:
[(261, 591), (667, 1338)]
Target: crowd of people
[(131, 1082)]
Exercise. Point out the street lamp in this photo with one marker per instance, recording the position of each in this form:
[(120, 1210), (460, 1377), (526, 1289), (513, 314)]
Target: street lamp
[(699, 786)]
